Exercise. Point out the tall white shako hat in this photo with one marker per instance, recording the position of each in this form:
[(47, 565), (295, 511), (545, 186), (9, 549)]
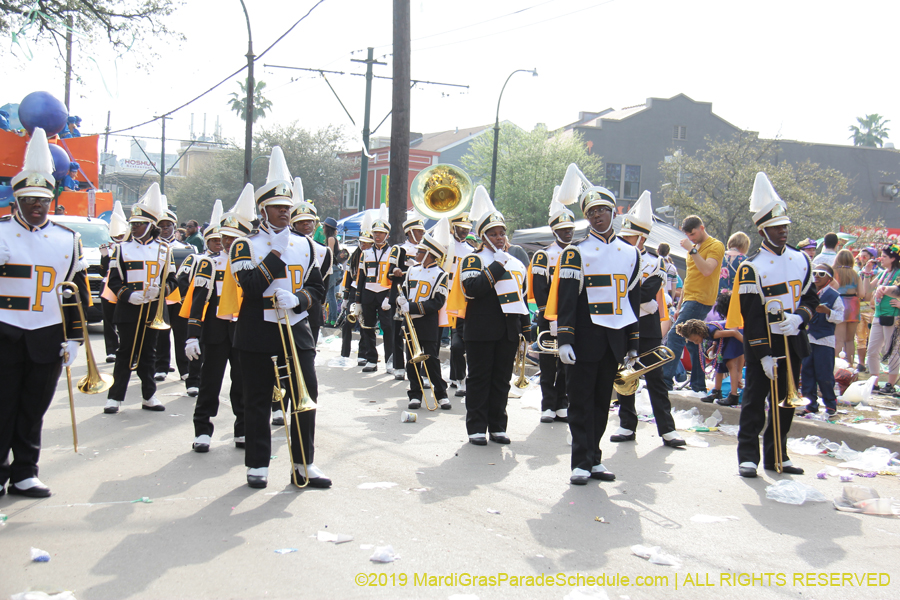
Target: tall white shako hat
[(768, 209), (382, 220), (36, 177), (150, 208), (576, 187), (278, 189), (365, 227), (413, 221), (302, 210), (212, 230), (439, 242), (560, 216), (483, 214), (238, 221), (167, 214), (118, 224), (639, 220)]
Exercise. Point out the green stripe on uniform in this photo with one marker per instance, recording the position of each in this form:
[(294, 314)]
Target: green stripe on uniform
[(16, 271), (779, 289), (15, 302), (133, 265), (598, 281), (601, 308), (508, 298)]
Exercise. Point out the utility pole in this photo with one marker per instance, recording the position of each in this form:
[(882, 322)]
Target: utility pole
[(69, 24), (248, 131), (105, 151), (398, 187), (364, 159), (162, 156)]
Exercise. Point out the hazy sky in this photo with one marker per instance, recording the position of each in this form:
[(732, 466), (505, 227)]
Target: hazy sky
[(798, 69)]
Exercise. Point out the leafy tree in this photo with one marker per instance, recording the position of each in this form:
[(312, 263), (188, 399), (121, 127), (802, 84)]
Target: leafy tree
[(870, 132), (311, 156), (529, 165), (716, 184), (260, 104), (120, 24)]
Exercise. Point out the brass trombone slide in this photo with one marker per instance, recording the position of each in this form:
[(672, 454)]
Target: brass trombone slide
[(157, 322), (521, 380), (417, 356), (93, 382), (628, 379), (300, 400)]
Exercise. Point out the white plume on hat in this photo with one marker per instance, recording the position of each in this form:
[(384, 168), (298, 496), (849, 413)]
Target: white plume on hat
[(382, 219), (639, 220), (572, 185), (150, 207), (483, 211), (212, 229), (560, 216), (365, 226), (118, 224), (36, 177), (238, 221), (767, 207), (439, 242), (298, 190)]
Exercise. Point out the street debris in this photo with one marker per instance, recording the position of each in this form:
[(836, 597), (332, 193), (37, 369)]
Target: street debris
[(601, 520), (794, 492), (38, 595), (866, 500), (38, 555), (655, 555), (337, 538), (143, 499), (384, 554), (379, 485), (696, 442), (285, 550), (493, 511)]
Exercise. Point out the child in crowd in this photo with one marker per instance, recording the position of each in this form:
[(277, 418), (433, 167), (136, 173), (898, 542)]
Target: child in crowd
[(725, 345), (818, 367)]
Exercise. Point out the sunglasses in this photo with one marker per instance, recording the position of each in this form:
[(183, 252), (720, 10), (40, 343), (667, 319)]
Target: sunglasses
[(821, 274)]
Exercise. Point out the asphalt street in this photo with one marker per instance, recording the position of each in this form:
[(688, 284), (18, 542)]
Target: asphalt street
[(456, 515)]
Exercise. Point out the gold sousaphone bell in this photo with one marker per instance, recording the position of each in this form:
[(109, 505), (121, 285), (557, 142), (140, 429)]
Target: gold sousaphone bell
[(441, 191)]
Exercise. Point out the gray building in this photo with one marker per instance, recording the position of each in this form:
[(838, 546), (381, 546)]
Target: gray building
[(634, 141)]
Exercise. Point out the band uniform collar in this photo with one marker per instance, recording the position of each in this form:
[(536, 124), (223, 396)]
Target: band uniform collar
[(594, 233), (29, 227), (766, 245)]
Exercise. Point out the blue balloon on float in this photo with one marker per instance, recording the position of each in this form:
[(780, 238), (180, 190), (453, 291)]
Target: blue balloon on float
[(60, 162), (6, 195), (42, 109)]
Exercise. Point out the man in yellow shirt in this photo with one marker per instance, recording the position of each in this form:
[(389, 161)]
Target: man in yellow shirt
[(701, 286)]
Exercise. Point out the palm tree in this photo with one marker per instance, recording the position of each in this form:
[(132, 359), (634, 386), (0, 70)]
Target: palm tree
[(871, 131), (260, 104)]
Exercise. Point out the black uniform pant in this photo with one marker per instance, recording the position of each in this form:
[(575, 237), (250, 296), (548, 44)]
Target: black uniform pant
[(215, 358), (372, 313), (347, 338), (110, 337), (430, 368), (25, 395), (753, 410), (458, 351), (259, 381), (122, 368), (659, 397), (589, 385), (399, 342), (487, 386), (553, 383)]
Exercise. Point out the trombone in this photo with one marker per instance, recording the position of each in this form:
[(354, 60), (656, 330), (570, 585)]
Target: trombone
[(628, 378), (93, 382), (158, 321), (521, 381), (417, 356), (296, 387), (792, 398)]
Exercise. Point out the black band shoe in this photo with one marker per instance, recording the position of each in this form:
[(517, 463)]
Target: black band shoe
[(789, 470), (603, 475), (748, 472), (36, 491), (257, 481), (623, 438), (499, 439)]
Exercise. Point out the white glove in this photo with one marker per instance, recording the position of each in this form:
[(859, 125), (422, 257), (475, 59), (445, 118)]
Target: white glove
[(768, 365), (402, 304), (567, 354), (69, 349), (386, 305), (345, 305), (285, 300), (4, 252), (631, 358), (151, 293), (501, 257), (192, 349), (553, 328), (649, 307), (791, 324), (356, 309), (137, 298), (281, 240)]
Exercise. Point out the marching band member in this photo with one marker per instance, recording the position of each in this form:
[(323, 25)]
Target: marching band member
[(635, 230), (279, 280), (189, 371), (554, 403), (304, 218), (374, 294), (423, 293), (598, 304), (402, 257), (496, 316), (211, 332), (35, 255), (351, 294), (134, 280), (118, 227), (776, 271), (460, 226)]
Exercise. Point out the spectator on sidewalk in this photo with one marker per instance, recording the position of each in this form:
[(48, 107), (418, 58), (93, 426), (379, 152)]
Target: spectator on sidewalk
[(809, 247), (867, 268), (725, 348), (193, 236), (883, 320), (701, 287), (817, 369), (829, 251), (846, 282), (738, 247)]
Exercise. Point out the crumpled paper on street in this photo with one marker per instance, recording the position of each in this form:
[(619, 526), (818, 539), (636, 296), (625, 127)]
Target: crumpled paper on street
[(384, 554), (337, 538), (788, 491), (43, 596), (866, 500), (655, 555)]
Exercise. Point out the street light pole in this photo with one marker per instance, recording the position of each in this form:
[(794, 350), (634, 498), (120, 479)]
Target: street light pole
[(248, 107), (497, 126), (253, 162)]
